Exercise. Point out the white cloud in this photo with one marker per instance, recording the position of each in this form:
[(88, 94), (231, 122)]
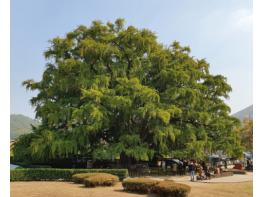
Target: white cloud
[(242, 19), (218, 26)]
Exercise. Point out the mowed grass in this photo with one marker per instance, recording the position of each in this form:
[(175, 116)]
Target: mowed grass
[(66, 189)]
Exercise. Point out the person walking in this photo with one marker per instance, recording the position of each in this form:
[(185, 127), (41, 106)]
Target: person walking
[(191, 168)]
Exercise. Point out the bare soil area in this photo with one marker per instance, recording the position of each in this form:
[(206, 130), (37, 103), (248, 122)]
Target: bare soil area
[(66, 189)]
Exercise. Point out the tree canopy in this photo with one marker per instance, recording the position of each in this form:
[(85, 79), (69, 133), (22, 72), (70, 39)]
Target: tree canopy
[(116, 92), (246, 134)]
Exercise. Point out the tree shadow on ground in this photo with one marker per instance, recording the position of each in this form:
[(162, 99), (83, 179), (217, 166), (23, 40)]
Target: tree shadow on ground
[(123, 191), (79, 185)]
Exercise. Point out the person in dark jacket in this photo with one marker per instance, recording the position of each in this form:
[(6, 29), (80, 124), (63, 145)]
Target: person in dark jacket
[(206, 170), (191, 168)]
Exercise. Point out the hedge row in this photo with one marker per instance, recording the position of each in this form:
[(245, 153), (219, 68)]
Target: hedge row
[(53, 174), (165, 188)]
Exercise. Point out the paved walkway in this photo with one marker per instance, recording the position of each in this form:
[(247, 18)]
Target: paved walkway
[(236, 178)]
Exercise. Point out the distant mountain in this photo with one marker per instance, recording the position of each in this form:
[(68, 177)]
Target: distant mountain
[(20, 124), (244, 113)]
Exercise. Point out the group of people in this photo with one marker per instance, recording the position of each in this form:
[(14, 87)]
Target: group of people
[(197, 171), (201, 169)]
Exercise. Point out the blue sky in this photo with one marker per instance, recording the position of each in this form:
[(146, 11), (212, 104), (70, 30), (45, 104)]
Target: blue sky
[(219, 31)]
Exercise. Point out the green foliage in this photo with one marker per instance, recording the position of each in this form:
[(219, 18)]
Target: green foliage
[(21, 149), (115, 92), (43, 144), (52, 174), (246, 134), (130, 145)]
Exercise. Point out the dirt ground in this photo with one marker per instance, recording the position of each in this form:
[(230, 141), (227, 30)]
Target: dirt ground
[(244, 189), (66, 189)]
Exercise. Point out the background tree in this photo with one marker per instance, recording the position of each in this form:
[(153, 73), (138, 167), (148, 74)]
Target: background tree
[(115, 92), (246, 134)]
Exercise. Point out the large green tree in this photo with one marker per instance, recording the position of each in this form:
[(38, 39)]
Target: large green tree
[(115, 91)]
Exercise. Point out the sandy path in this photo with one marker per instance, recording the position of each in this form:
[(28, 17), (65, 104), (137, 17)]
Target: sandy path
[(66, 189), (244, 189), (236, 178)]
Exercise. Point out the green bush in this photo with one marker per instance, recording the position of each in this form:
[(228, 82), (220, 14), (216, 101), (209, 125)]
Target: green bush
[(100, 179), (171, 189), (53, 174), (139, 185)]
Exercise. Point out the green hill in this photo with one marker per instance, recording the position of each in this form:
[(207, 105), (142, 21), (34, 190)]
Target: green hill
[(20, 124)]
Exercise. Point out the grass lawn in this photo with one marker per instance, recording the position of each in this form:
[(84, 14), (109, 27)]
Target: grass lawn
[(66, 189)]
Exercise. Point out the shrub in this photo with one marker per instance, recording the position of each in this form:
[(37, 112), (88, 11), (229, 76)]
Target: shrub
[(79, 178), (53, 174), (161, 188), (100, 179), (237, 171), (223, 174), (171, 189), (139, 185)]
